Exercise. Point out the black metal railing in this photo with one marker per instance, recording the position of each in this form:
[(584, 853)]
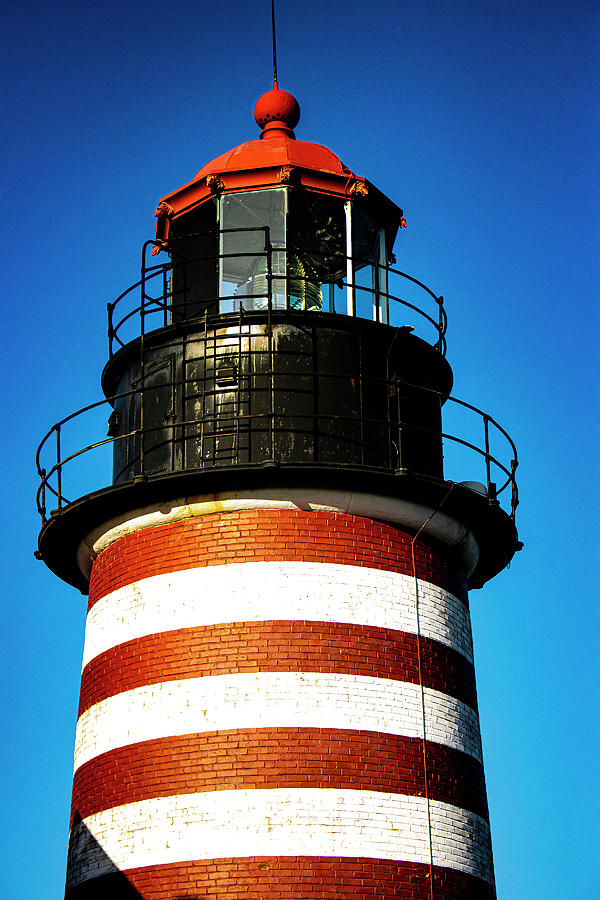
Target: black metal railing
[(166, 293), (56, 458)]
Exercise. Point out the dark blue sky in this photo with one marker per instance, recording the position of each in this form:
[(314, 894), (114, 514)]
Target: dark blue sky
[(480, 121)]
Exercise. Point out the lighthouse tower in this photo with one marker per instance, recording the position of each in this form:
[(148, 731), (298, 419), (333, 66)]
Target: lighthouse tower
[(277, 694)]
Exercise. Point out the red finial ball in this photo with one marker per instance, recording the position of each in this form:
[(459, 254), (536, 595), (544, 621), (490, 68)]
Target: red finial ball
[(277, 108)]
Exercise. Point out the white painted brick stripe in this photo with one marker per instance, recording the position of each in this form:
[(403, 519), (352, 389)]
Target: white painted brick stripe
[(271, 700), (282, 822), (263, 591)]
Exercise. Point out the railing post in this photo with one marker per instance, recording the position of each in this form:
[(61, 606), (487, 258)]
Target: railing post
[(238, 394), (43, 496), (165, 295), (203, 415), (514, 498), (143, 384), (439, 344), (58, 468), (491, 487), (109, 310)]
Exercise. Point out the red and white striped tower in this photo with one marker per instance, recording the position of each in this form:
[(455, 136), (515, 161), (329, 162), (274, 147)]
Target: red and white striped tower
[(278, 694)]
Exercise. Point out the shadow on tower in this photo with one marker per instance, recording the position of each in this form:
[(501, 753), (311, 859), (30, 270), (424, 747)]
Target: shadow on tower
[(86, 853)]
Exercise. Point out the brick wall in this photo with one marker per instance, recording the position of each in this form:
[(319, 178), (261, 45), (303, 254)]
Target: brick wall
[(273, 682), (287, 878), (272, 535)]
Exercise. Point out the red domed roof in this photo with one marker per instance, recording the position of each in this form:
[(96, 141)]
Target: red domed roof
[(277, 148)]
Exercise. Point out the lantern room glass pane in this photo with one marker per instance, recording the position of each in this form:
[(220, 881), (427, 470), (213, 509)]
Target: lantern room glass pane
[(243, 264), (366, 256), (193, 247), (316, 250)]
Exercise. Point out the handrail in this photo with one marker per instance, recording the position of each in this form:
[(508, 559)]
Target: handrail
[(166, 301), (52, 473)]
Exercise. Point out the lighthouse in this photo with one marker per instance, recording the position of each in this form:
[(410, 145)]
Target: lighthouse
[(277, 690)]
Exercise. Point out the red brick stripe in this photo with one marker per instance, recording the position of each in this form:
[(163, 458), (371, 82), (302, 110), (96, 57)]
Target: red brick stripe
[(277, 758), (292, 878), (267, 535), (276, 647)]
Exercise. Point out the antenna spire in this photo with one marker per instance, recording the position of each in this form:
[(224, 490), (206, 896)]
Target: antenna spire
[(275, 85)]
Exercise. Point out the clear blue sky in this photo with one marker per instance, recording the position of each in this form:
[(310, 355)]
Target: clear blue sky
[(480, 121)]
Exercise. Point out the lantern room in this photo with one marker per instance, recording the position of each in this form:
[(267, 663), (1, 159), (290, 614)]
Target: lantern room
[(290, 225)]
